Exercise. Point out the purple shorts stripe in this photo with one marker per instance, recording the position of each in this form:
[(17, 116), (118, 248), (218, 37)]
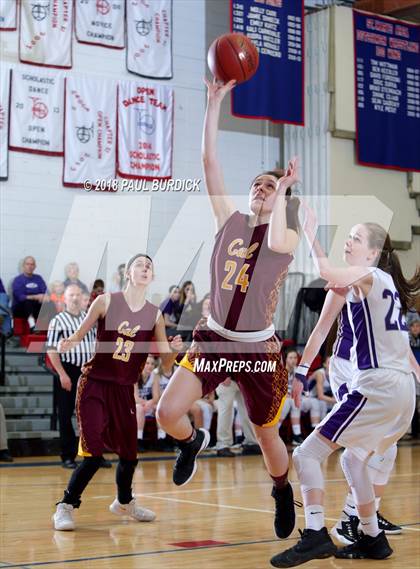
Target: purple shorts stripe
[(343, 416), (342, 390), (370, 328), (350, 419)]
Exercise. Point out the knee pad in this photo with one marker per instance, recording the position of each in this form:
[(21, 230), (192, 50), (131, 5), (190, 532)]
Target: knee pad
[(357, 475), (307, 459), (380, 466)]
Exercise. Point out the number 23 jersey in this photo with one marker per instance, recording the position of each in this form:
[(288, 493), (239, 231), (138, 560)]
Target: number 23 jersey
[(122, 342), (379, 327)]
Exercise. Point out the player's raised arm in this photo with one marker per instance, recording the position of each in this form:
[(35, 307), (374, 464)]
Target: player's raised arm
[(354, 274), (281, 237), (97, 310), (221, 203)]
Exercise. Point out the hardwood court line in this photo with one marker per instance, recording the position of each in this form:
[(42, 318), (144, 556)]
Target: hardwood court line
[(29, 565), (226, 506)]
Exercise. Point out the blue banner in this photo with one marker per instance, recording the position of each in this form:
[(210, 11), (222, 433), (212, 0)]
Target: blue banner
[(387, 83), (276, 91)]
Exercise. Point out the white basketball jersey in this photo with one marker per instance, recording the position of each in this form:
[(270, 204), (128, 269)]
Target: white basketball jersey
[(379, 327)]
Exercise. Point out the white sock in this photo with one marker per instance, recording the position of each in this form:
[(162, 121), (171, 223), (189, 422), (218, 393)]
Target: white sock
[(314, 517), (161, 434), (369, 525), (31, 321), (296, 430), (349, 508), (140, 433), (377, 502)]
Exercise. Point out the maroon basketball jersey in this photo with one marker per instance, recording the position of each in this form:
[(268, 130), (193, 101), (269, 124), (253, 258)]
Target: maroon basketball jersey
[(122, 342), (246, 276)]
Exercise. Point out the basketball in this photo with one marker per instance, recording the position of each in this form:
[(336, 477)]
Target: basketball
[(233, 56)]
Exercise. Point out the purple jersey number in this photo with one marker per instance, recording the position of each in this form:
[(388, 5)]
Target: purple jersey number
[(390, 323)]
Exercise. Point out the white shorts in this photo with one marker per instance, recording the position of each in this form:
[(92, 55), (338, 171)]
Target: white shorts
[(374, 415), (207, 409), (340, 374)]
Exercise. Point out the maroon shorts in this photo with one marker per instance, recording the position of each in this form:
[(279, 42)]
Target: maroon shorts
[(257, 367), (106, 413)]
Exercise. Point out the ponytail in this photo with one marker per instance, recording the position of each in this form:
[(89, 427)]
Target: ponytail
[(389, 262)]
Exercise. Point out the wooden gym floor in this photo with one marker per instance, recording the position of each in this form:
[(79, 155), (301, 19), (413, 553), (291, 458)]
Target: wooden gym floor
[(221, 520)]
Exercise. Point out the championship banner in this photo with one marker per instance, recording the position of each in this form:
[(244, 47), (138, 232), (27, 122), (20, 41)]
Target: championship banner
[(101, 22), (37, 113), (387, 84), (149, 38), (46, 28), (4, 121), (145, 131), (276, 91), (90, 128), (8, 15)]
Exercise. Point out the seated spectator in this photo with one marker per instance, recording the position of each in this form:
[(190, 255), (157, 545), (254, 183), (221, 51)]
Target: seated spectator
[(187, 316), (202, 411), (5, 455), (320, 388), (72, 276), (29, 292), (170, 310), (97, 289), (307, 403), (57, 295), (5, 312), (85, 301), (118, 279), (161, 377), (143, 394)]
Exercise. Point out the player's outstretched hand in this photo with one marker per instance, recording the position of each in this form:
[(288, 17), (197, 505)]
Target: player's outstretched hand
[(297, 389), (341, 290), (290, 177), (216, 90), (310, 224), (176, 343)]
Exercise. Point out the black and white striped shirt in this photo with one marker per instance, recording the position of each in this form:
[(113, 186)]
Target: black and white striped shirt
[(62, 326)]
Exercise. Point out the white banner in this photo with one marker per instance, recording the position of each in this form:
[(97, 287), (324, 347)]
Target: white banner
[(145, 127), (4, 120), (90, 129), (37, 112), (101, 22), (149, 38), (7, 15), (46, 28)]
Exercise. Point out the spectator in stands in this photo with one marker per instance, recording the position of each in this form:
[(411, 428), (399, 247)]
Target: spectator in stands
[(187, 304), (68, 367), (143, 394), (161, 377), (85, 301), (118, 279), (57, 295), (228, 392), (307, 403), (5, 312), (5, 455), (72, 276), (414, 335), (97, 289), (170, 310), (320, 388), (202, 411), (29, 292)]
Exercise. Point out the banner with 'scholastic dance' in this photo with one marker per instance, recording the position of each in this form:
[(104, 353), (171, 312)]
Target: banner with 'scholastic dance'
[(5, 74), (90, 128), (145, 130), (149, 38), (37, 112), (8, 9), (101, 23), (46, 29)]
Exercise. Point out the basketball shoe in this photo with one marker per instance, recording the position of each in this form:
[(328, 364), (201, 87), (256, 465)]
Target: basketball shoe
[(388, 527), (346, 531), (132, 510), (186, 463), (312, 545), (366, 547), (284, 515), (63, 517)]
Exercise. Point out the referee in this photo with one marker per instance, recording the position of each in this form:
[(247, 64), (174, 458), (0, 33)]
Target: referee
[(68, 367)]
